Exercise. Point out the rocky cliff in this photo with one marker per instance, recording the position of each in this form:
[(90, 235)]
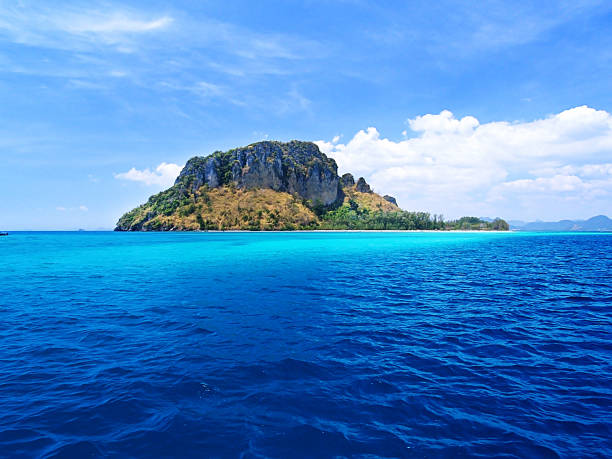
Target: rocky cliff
[(266, 185), (295, 167)]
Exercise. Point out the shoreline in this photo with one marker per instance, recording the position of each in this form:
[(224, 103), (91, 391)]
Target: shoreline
[(325, 231)]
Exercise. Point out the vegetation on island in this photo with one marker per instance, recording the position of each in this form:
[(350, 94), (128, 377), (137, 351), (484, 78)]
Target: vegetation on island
[(275, 186), (222, 208), (353, 215), (231, 208)]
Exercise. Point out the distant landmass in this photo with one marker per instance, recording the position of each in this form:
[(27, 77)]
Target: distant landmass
[(598, 223), (278, 186)]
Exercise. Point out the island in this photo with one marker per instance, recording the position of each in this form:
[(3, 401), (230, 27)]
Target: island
[(274, 185)]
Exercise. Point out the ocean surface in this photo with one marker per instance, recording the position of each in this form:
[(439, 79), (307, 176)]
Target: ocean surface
[(306, 345)]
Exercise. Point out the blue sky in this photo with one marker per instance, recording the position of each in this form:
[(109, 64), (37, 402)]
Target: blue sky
[(489, 108)]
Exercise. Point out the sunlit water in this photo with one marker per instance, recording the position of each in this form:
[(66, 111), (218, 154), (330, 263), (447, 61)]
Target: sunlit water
[(306, 345)]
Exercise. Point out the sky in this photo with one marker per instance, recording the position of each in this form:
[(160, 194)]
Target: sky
[(490, 108)]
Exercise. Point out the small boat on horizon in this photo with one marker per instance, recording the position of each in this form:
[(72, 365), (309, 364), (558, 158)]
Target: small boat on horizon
[(3, 233)]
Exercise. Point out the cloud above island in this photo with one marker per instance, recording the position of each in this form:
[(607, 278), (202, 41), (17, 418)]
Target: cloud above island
[(549, 168), (163, 175), (557, 165)]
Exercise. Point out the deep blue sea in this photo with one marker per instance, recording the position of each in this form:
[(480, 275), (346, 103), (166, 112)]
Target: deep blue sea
[(306, 345)]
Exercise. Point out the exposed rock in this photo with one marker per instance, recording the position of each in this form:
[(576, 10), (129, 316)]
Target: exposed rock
[(391, 199), (347, 180), (294, 167), (362, 186), (264, 186)]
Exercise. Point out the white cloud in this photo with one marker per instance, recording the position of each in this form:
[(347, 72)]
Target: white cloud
[(555, 183), (103, 44), (293, 102), (207, 92), (503, 24), (81, 84), (163, 175), (80, 208), (444, 122), (553, 167), (78, 28), (117, 74), (207, 89), (87, 28), (114, 23)]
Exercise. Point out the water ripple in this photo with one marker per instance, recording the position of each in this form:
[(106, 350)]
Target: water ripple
[(306, 345)]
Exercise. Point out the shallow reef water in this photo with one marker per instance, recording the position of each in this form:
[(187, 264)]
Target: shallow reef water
[(306, 345)]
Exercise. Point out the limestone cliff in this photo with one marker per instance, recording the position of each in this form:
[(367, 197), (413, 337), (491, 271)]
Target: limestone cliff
[(266, 185), (295, 167)]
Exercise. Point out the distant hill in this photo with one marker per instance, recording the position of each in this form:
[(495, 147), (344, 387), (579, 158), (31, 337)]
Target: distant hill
[(598, 223), (277, 186)]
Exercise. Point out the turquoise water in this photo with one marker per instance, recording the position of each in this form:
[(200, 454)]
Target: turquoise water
[(306, 345)]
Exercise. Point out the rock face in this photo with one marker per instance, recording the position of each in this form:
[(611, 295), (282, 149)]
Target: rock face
[(362, 186), (295, 167), (264, 186), (391, 199), (347, 180)]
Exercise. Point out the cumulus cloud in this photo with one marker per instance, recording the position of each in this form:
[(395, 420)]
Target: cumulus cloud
[(558, 166), (444, 122), (163, 175)]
